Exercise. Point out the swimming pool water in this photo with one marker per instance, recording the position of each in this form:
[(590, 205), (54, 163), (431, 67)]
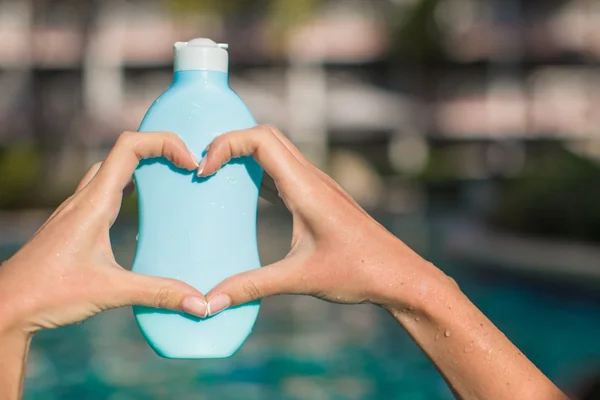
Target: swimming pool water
[(303, 348)]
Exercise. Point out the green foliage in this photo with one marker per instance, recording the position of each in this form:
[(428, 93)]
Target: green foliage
[(442, 165), (414, 32), (285, 12), (215, 6), (19, 168), (418, 33), (129, 207), (557, 195), (280, 15)]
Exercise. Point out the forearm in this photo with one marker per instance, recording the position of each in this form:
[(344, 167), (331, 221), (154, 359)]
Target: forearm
[(14, 347), (14, 340), (474, 357)]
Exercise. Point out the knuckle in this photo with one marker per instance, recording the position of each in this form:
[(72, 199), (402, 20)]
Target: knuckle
[(125, 139), (171, 138), (215, 147), (251, 290), (266, 130), (216, 142), (271, 128), (162, 296), (261, 135), (169, 135)]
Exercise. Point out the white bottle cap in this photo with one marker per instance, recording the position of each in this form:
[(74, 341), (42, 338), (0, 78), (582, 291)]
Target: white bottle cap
[(201, 55)]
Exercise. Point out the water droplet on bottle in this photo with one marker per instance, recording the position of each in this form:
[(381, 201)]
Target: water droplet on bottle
[(222, 206), (137, 237)]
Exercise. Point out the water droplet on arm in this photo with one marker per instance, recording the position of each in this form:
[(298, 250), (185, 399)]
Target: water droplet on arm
[(470, 348), (447, 333)]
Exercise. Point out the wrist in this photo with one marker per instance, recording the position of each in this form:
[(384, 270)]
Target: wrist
[(11, 305), (10, 331), (12, 334), (9, 325), (422, 291), (460, 340), (14, 348), (434, 298)]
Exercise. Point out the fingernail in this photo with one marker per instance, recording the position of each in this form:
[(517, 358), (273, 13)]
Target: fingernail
[(218, 304), (195, 306), (201, 166), (194, 158)]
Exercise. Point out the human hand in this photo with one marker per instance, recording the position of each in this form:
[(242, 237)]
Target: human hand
[(67, 272), (338, 252)]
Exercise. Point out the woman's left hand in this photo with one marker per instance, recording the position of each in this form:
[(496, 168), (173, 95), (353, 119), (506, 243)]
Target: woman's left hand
[(67, 272)]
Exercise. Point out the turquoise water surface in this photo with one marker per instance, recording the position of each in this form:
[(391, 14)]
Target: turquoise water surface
[(302, 348)]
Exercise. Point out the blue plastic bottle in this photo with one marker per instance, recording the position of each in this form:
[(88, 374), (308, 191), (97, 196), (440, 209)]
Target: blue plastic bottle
[(197, 230)]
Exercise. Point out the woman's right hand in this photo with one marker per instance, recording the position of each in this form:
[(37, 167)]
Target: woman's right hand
[(338, 252)]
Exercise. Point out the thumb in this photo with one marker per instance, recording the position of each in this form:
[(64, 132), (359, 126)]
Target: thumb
[(152, 291), (271, 280)]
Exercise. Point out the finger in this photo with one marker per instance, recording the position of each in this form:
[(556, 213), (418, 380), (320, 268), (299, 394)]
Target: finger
[(268, 189), (271, 280), (266, 149), (131, 147), (89, 175), (288, 144), (127, 191), (304, 161), (151, 291)]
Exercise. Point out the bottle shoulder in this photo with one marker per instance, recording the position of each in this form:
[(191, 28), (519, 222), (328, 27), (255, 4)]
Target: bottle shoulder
[(204, 100), (211, 96), (216, 107)]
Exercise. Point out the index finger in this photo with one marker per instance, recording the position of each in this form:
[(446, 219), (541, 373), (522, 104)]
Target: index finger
[(131, 147), (266, 148)]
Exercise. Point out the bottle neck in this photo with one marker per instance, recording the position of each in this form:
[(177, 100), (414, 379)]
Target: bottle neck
[(216, 78)]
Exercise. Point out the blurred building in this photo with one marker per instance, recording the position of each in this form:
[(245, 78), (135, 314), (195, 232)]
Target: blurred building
[(75, 74)]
